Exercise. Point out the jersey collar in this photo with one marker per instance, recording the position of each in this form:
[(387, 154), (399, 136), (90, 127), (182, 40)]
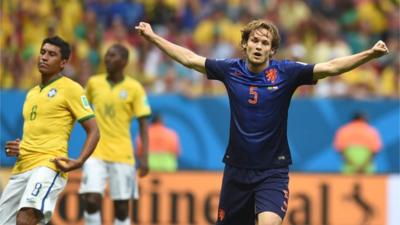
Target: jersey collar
[(56, 77), (112, 84)]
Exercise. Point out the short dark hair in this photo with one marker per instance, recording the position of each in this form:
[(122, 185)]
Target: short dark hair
[(122, 50), (65, 48)]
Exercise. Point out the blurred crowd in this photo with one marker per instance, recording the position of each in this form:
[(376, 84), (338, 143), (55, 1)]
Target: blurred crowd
[(311, 31)]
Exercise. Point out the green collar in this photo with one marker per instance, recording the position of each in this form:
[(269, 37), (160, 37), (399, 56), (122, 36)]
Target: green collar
[(112, 84), (58, 76)]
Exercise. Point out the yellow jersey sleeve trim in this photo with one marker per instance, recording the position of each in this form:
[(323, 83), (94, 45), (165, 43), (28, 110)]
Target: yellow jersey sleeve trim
[(86, 118)]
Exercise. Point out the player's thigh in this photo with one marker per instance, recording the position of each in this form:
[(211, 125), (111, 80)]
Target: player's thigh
[(272, 194), (94, 176), (42, 190), (268, 218), (121, 181), (11, 197), (236, 203), (121, 209)]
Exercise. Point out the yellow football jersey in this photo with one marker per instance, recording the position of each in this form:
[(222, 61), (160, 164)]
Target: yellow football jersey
[(115, 105), (49, 114)]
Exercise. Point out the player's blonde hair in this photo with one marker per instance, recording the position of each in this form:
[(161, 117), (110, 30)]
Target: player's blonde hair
[(256, 24)]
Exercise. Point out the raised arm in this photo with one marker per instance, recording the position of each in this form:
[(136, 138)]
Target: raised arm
[(344, 64), (176, 52)]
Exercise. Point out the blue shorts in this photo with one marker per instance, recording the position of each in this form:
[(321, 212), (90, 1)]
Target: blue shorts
[(247, 192)]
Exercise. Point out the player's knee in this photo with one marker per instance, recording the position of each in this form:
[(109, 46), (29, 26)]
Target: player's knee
[(92, 202), (269, 223), (21, 221), (121, 209), (269, 218)]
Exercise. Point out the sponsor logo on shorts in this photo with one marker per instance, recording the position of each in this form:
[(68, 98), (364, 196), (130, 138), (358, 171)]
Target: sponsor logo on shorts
[(31, 200)]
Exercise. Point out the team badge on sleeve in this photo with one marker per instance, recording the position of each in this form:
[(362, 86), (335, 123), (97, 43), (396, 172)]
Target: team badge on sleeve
[(85, 102), (52, 93)]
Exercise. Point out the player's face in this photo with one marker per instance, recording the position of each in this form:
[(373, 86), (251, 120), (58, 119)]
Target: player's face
[(258, 47), (49, 60), (113, 61)]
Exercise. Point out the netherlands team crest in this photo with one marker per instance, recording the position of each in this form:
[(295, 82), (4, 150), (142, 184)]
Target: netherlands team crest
[(52, 93), (271, 75)]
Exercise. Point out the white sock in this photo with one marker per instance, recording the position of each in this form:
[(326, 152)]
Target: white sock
[(92, 219), (127, 221)]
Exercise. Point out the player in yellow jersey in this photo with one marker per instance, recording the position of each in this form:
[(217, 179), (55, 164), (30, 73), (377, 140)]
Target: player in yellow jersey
[(50, 111), (116, 100)]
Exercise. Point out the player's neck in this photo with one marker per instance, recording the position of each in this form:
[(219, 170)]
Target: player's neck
[(256, 68), (115, 77), (47, 78)]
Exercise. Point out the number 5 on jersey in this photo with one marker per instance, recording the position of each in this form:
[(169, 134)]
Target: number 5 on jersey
[(253, 95)]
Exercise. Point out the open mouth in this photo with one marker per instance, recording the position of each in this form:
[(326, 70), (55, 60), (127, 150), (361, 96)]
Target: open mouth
[(257, 54)]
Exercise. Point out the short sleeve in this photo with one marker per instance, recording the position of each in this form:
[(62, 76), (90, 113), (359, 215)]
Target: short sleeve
[(78, 103), (89, 89), (141, 106), (217, 69), (301, 73)]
